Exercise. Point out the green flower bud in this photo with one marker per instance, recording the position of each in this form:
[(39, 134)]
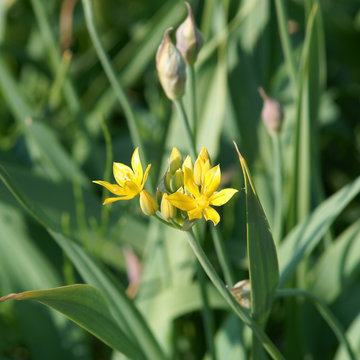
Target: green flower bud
[(167, 181), (272, 113), (168, 211), (171, 68), (175, 160), (188, 38), (177, 180), (147, 203)]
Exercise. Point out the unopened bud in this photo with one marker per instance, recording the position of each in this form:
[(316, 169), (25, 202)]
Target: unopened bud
[(171, 68), (272, 113), (187, 163), (177, 181), (201, 166), (188, 38), (147, 203), (168, 211), (175, 160)]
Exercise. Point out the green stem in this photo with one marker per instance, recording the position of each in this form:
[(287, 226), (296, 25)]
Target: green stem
[(180, 108), (285, 42), (207, 315), (193, 100), (243, 314), (326, 313), (222, 255), (107, 174), (277, 188), (114, 81)]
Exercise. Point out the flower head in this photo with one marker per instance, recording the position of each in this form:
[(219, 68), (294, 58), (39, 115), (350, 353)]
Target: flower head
[(201, 184), (171, 68), (130, 181)]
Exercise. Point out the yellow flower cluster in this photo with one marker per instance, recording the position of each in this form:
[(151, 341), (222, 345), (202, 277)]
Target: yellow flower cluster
[(186, 193)]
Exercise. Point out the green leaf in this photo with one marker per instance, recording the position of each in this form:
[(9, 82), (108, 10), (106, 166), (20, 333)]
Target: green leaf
[(338, 265), (86, 306), (262, 257), (353, 334), (123, 309), (303, 239)]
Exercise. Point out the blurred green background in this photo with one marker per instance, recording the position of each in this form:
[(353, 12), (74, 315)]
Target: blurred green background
[(54, 95)]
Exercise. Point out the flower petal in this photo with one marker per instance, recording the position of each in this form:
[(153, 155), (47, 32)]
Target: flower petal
[(189, 182), (122, 173), (212, 181), (211, 214), (222, 197), (137, 167), (131, 189), (114, 188), (145, 175), (195, 213), (181, 201), (111, 200)]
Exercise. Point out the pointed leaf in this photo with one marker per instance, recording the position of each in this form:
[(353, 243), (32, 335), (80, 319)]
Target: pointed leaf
[(86, 306), (262, 257)]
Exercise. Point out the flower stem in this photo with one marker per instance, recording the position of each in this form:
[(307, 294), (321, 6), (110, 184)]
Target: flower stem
[(277, 228), (193, 100), (180, 108), (243, 314), (286, 43), (326, 313)]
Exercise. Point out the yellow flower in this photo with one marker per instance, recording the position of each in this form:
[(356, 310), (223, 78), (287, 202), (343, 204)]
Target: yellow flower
[(199, 201), (130, 182)]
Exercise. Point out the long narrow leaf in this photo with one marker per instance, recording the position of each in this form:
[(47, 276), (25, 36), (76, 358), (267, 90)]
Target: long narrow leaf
[(87, 307)]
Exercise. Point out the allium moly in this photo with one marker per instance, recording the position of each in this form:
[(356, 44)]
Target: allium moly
[(201, 194), (130, 181)]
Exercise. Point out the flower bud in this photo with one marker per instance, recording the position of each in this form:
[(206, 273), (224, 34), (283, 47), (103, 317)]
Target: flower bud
[(147, 203), (272, 113), (177, 180), (202, 166), (187, 163), (188, 38), (171, 68), (175, 160), (168, 211)]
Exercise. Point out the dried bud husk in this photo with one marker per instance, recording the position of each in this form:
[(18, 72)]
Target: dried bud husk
[(175, 160), (241, 292), (272, 113), (147, 203), (168, 211), (188, 38), (171, 68)]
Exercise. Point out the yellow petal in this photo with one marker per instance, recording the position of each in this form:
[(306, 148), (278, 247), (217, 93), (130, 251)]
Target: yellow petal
[(222, 197), (189, 182), (198, 170), (131, 189), (212, 181), (115, 189), (195, 214), (137, 167), (181, 201), (145, 175), (122, 173), (211, 214), (111, 200)]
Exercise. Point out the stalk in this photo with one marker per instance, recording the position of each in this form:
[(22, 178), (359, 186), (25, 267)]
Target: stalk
[(243, 314)]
